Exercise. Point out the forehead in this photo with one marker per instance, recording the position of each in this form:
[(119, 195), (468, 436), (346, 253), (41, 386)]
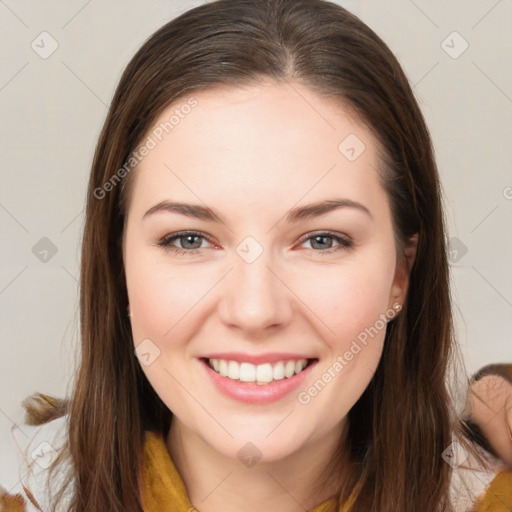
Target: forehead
[(491, 385), (257, 143)]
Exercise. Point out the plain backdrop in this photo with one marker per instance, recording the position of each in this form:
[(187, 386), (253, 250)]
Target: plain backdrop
[(53, 100)]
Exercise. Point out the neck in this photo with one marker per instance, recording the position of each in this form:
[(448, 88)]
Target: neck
[(216, 483)]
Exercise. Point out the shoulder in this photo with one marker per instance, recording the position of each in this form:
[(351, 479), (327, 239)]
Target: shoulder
[(35, 448), (498, 495), (478, 486)]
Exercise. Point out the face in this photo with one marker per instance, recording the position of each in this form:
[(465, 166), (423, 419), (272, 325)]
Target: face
[(490, 407), (268, 283)]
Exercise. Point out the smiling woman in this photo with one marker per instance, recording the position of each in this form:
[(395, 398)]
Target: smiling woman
[(284, 239), (247, 332)]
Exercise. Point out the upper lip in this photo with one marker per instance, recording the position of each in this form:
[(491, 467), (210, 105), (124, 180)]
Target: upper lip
[(257, 358)]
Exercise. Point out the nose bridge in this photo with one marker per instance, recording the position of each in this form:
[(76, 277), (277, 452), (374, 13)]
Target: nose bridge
[(255, 298)]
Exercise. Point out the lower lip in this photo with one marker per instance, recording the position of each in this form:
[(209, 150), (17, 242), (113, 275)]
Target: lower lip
[(253, 393)]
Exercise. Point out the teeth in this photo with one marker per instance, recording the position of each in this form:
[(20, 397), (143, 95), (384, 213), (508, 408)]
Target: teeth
[(233, 370), (223, 367), (247, 371), (261, 374), (264, 373), (278, 371), (289, 369)]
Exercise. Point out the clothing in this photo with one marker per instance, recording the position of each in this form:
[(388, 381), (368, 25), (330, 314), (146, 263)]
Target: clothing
[(164, 490)]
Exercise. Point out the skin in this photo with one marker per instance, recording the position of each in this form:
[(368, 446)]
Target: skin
[(253, 154), (490, 407)]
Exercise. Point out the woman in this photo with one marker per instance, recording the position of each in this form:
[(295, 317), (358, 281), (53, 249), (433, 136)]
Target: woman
[(259, 369)]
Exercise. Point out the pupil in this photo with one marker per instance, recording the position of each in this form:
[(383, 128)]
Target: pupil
[(188, 238)]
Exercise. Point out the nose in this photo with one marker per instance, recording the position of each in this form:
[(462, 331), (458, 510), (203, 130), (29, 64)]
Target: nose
[(255, 298)]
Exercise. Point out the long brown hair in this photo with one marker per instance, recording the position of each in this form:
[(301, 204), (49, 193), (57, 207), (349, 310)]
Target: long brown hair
[(404, 420)]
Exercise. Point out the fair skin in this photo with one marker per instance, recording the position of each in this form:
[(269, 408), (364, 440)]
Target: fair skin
[(253, 154), (490, 407)]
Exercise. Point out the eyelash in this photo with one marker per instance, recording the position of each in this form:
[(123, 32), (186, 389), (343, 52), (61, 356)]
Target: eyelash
[(344, 243)]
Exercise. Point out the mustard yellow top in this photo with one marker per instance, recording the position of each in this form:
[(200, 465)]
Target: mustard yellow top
[(163, 488), (498, 496)]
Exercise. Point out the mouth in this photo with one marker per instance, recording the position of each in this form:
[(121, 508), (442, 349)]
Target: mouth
[(262, 374), (245, 382)]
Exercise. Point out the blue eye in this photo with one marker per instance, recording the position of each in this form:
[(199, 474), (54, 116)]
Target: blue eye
[(191, 242)]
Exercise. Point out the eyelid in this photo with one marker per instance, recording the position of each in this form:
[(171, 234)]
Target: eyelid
[(326, 233), (165, 240), (344, 241)]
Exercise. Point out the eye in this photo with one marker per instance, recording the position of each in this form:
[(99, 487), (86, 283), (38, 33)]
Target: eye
[(318, 241), (191, 241), (187, 242)]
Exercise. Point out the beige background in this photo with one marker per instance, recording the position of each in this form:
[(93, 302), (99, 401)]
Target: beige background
[(52, 110)]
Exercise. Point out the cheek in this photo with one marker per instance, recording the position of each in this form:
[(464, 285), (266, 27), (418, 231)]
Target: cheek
[(351, 305), (349, 299), (159, 299), (341, 299), (160, 294), (145, 293)]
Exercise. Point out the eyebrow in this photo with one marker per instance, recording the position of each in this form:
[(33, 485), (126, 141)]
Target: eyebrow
[(294, 215)]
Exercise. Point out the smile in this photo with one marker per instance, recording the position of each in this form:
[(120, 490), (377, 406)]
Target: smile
[(262, 373), (257, 384)]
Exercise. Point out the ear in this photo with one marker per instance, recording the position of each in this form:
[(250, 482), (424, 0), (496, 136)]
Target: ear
[(402, 272)]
